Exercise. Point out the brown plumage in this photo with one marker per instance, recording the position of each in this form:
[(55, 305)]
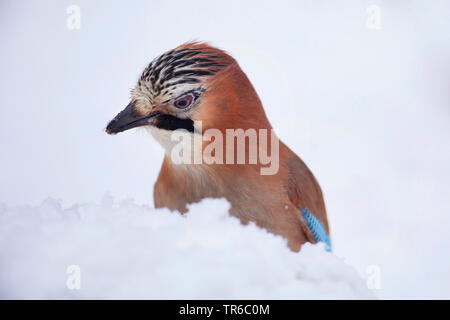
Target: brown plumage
[(197, 82)]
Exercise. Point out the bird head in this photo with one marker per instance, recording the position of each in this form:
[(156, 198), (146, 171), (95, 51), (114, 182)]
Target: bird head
[(192, 82)]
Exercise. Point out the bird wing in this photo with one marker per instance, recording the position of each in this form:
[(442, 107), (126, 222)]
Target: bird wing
[(305, 194)]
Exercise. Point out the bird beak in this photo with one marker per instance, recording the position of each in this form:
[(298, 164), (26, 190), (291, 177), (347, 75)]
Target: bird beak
[(129, 118)]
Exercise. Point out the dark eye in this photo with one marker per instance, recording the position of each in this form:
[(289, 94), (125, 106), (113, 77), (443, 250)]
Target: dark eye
[(184, 102)]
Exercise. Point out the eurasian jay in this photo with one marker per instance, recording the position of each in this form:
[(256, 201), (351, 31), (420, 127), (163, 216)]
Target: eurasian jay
[(197, 83)]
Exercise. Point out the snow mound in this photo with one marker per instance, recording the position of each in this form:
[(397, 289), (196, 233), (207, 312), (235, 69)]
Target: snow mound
[(124, 250)]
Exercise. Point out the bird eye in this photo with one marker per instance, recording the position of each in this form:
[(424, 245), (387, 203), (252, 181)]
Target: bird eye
[(184, 102)]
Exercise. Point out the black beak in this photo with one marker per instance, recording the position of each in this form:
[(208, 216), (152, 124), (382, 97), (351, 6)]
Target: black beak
[(127, 119)]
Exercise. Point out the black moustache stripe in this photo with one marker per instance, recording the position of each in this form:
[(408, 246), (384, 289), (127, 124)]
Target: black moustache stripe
[(168, 122)]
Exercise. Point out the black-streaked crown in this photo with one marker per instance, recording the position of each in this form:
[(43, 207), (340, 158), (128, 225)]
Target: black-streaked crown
[(185, 66)]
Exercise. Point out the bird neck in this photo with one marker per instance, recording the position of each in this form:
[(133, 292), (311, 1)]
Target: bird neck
[(231, 102)]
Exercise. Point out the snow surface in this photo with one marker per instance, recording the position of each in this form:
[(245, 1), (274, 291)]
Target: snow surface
[(127, 251)]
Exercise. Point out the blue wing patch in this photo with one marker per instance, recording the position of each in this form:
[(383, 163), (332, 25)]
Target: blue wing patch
[(316, 227)]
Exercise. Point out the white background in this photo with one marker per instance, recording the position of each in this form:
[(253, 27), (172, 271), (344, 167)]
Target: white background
[(367, 110)]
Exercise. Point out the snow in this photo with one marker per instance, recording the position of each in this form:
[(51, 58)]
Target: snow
[(125, 250)]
